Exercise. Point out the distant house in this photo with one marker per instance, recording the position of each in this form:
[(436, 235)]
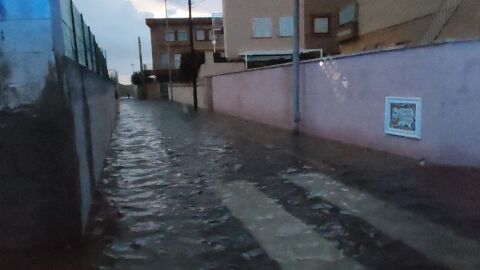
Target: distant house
[(400, 23), (262, 30), (168, 45)]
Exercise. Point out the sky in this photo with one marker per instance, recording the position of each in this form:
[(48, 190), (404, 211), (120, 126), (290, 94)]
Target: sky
[(117, 24)]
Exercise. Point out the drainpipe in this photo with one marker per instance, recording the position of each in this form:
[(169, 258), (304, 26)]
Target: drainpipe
[(296, 65)]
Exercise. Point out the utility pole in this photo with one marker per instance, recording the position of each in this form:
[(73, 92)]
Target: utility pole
[(296, 65), (140, 54), (170, 89), (192, 52)]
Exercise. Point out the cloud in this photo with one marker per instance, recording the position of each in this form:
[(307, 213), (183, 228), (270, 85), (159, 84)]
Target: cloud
[(178, 8), (117, 24)]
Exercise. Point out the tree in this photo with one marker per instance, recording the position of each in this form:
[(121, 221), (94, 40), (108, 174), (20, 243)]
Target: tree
[(137, 78), (190, 65)]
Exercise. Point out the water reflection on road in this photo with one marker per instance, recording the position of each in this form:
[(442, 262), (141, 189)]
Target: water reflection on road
[(161, 181), (185, 191)]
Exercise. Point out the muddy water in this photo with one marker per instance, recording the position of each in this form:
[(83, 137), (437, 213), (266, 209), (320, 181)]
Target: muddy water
[(161, 181), (158, 204)]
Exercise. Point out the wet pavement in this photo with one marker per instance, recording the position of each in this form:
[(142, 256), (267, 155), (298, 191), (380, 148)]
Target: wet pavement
[(185, 190)]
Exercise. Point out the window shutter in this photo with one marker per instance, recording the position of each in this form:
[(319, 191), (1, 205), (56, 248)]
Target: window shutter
[(200, 34), (321, 25), (262, 27), (347, 14), (182, 35), (286, 26), (178, 60), (164, 59), (169, 36)]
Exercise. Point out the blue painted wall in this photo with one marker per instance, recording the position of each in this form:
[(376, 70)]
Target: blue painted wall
[(51, 150)]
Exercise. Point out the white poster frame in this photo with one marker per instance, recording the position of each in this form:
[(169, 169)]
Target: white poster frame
[(415, 134)]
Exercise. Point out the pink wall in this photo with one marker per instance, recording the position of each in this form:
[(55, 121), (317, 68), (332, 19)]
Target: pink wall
[(344, 99), (183, 93), (262, 96)]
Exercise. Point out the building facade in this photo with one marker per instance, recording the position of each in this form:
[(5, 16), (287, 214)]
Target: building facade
[(265, 28), (400, 23), (168, 45)]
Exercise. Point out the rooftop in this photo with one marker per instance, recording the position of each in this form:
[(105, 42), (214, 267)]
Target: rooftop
[(151, 22)]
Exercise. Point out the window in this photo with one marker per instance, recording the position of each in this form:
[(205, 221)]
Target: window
[(321, 25), (178, 60), (347, 14), (165, 59), (285, 25), (200, 35), (182, 35), (262, 27), (170, 36)]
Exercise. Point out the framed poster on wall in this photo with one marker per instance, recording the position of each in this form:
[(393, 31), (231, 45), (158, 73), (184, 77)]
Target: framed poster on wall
[(403, 117)]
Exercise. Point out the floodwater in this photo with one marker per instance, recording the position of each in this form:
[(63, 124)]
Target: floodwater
[(185, 190)]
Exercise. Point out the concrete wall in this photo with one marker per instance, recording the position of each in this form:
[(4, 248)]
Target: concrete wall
[(210, 68), (183, 93), (125, 90), (56, 118), (385, 23), (464, 23), (149, 91), (102, 111), (262, 96), (344, 99), (408, 34), (379, 14), (26, 44)]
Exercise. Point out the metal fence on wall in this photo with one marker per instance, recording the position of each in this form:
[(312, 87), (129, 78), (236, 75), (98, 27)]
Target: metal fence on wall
[(80, 43)]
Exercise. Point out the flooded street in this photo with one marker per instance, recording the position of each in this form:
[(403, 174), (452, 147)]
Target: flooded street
[(196, 191), (239, 135), (161, 178)]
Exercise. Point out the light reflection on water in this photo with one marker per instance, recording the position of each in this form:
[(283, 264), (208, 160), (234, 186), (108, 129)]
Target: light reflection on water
[(161, 178)]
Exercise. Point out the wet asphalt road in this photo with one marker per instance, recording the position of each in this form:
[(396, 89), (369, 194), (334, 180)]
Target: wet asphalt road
[(161, 178), (192, 191)]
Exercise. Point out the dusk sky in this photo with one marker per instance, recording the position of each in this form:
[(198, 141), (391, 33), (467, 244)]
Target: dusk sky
[(118, 23)]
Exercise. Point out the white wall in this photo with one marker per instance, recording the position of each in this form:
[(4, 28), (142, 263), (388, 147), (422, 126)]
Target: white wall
[(183, 93)]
